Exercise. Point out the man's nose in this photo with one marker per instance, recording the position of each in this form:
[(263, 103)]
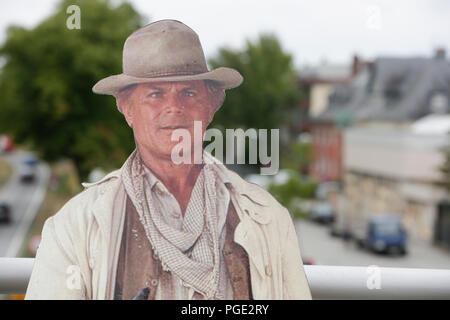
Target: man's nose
[(174, 105)]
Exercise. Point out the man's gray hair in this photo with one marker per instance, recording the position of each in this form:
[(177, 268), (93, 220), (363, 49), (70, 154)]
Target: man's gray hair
[(218, 94)]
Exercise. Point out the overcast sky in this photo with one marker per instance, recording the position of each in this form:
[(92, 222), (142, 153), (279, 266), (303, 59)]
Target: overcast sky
[(312, 31)]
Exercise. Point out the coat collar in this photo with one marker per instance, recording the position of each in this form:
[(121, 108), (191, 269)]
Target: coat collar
[(251, 197)]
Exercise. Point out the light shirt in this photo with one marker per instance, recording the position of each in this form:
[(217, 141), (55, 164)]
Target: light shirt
[(169, 207)]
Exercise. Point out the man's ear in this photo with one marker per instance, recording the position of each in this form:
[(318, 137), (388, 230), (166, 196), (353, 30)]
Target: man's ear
[(125, 107), (212, 111)]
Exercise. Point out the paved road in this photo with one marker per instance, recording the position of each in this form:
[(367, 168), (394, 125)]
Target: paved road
[(24, 199), (317, 244)]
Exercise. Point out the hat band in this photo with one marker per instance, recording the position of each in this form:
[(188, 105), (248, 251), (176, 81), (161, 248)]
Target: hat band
[(165, 74)]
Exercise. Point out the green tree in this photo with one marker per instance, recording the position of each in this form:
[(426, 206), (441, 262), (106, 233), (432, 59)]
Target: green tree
[(297, 156), (46, 84), (269, 91)]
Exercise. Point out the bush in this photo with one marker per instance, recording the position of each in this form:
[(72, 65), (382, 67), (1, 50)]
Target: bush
[(292, 192)]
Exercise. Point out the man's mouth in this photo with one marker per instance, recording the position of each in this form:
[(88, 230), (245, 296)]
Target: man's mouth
[(173, 127)]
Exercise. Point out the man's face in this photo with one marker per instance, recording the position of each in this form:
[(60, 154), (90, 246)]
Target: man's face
[(155, 110)]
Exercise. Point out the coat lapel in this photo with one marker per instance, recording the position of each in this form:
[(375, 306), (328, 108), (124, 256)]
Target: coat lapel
[(104, 212), (247, 236)]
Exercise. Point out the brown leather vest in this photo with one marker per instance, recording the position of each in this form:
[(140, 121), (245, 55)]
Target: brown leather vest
[(139, 272)]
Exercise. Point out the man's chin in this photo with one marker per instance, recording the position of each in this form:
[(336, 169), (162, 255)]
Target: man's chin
[(165, 153)]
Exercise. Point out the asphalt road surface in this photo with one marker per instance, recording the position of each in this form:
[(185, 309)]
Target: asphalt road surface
[(24, 200), (316, 244)]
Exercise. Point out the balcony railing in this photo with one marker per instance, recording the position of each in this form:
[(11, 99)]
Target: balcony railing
[(326, 282)]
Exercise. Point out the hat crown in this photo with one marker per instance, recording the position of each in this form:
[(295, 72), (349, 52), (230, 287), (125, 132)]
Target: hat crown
[(163, 48)]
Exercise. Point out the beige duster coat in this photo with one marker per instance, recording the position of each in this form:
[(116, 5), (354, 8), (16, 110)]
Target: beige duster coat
[(79, 249)]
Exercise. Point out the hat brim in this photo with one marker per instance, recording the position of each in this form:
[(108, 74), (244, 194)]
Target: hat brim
[(226, 78)]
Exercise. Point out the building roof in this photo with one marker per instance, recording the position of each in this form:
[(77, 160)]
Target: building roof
[(391, 89), (326, 73)]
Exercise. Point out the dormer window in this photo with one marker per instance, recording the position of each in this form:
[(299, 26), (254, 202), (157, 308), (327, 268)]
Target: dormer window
[(439, 103), (394, 87)]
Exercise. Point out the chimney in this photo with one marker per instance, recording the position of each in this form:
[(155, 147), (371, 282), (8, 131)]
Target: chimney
[(355, 65), (440, 53)]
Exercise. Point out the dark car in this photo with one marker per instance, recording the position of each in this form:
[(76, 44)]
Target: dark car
[(5, 213), (322, 213), (340, 231), (385, 233), (27, 173)]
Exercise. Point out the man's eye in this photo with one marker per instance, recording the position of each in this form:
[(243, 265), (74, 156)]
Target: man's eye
[(155, 94), (189, 93)]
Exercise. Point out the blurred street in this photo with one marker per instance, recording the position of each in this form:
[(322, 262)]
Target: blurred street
[(24, 201), (317, 244)]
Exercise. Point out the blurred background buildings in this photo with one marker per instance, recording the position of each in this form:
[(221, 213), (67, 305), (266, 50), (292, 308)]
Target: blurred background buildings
[(379, 127)]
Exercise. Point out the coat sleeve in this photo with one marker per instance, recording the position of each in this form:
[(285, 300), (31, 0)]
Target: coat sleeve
[(55, 275), (295, 283)]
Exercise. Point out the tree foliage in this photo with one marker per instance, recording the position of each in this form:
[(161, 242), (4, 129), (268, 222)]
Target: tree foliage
[(46, 85), (269, 90), (297, 157)]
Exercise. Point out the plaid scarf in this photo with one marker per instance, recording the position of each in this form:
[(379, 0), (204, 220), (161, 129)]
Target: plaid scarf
[(191, 253)]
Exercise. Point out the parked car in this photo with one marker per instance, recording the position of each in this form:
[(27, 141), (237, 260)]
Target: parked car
[(27, 173), (384, 233), (308, 261), (322, 212), (341, 231), (5, 213)]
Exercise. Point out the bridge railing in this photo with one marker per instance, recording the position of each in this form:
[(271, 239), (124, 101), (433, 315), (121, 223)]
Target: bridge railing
[(326, 282)]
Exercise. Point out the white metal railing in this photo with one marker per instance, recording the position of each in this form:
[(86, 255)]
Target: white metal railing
[(326, 282)]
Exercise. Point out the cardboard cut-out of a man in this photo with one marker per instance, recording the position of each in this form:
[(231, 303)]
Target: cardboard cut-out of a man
[(154, 229)]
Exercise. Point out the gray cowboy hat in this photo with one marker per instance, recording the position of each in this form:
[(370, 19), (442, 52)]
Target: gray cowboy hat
[(165, 50)]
